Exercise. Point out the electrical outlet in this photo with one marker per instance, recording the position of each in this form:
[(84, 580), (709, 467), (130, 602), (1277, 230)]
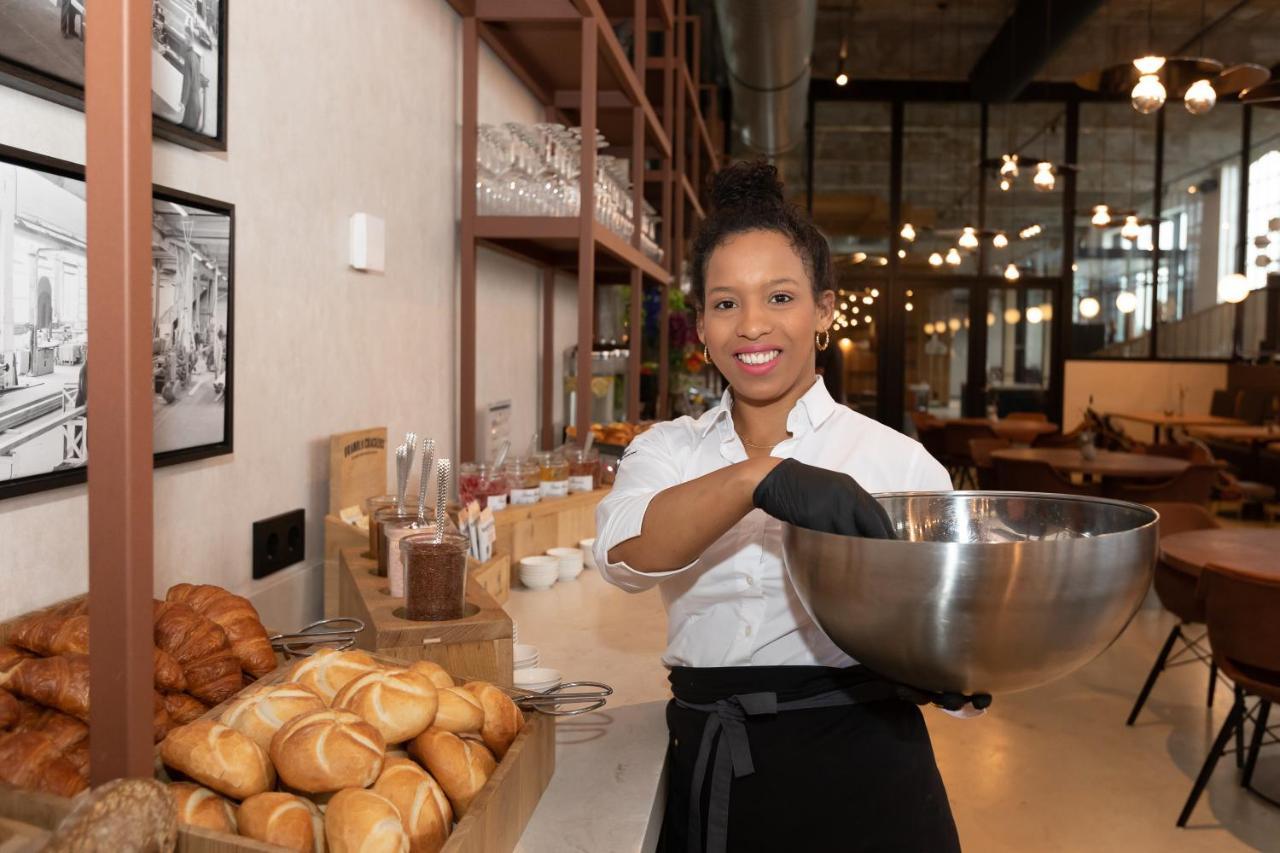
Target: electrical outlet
[(278, 542)]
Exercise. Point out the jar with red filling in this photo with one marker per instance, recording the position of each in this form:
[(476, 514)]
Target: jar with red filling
[(472, 479), (496, 490)]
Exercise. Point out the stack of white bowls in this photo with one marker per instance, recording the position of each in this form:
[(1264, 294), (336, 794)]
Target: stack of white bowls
[(539, 572), (570, 560), (526, 656), (537, 678), (587, 546)]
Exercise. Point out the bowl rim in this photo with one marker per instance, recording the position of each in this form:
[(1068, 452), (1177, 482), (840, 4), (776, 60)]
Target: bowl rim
[(1153, 515)]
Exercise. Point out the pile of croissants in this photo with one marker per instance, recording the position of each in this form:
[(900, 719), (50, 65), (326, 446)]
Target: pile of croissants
[(209, 643), (392, 755)]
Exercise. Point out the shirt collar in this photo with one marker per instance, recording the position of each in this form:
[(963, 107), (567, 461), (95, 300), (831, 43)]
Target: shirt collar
[(811, 411)]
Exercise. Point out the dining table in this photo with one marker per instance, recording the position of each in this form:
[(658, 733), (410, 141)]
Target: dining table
[(1248, 550), (1243, 433), (1105, 463), (1015, 430), (1168, 421)]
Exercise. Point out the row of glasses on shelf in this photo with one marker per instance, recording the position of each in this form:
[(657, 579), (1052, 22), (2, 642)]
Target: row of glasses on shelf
[(533, 170)]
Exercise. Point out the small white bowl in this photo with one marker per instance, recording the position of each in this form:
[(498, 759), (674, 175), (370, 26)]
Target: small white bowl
[(587, 546), (540, 562), (537, 679), (537, 583), (570, 562), (522, 653)]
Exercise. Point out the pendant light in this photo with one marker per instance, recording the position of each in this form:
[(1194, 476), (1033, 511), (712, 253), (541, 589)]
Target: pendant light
[(1034, 315), (1126, 301), (969, 238), (908, 232), (1044, 179), (1000, 241), (1234, 288), (1011, 272), (935, 260), (1012, 316), (953, 256), (1131, 231), (1008, 165), (902, 253), (1005, 185), (1148, 94), (1101, 216), (842, 78), (1089, 307), (1200, 97)]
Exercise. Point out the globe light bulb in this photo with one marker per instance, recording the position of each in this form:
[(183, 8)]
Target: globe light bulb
[(1008, 165), (1005, 185), (1148, 94), (1000, 241), (867, 300), (902, 253), (1012, 316), (908, 232), (1046, 311), (1101, 216), (1149, 64), (1011, 272), (909, 307), (842, 79), (991, 319), (935, 260), (1044, 179), (1034, 315), (1126, 301), (1131, 230), (953, 256), (968, 239), (1089, 307), (954, 324), (859, 257), (1200, 97), (875, 293), (1234, 288), (928, 328)]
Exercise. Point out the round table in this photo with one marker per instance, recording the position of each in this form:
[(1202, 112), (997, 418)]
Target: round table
[(1107, 463), (1247, 550)]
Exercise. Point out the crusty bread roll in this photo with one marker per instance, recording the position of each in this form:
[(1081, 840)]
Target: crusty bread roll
[(284, 820), (120, 815), (358, 821), (218, 757), (400, 703), (502, 719), (259, 715), (328, 671), (201, 807), (434, 671), (460, 765), (424, 809), (459, 711), (327, 751)]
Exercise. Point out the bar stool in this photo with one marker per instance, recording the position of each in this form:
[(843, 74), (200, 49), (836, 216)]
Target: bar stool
[(1243, 614), (1176, 590)]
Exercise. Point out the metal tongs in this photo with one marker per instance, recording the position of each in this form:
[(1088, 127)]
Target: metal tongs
[(550, 701), (338, 634)]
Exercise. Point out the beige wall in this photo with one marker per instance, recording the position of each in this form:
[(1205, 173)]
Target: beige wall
[(1138, 385), (332, 110)]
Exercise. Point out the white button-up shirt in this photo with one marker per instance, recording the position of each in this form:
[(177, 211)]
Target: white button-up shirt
[(734, 605)]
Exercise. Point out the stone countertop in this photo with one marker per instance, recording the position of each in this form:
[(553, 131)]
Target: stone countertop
[(604, 797)]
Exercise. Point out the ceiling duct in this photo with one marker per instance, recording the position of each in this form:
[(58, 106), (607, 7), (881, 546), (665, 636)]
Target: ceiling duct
[(767, 47)]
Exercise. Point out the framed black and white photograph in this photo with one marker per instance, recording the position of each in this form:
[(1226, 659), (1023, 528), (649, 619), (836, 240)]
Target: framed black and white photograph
[(44, 335), (42, 52)]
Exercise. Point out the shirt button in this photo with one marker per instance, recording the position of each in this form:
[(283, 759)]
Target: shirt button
[(751, 581), (746, 630)]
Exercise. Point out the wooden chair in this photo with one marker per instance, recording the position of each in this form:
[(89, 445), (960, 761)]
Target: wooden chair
[(1194, 485), (1176, 590), (1059, 439), (980, 450), (956, 438), (1033, 475), (1242, 612)]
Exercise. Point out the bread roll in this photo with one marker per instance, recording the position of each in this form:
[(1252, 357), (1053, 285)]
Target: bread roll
[(424, 809), (201, 807), (32, 761), (327, 751), (134, 815), (461, 766), (399, 703), (219, 758), (260, 714), (459, 711), (502, 719), (359, 821), (328, 671), (184, 708), (237, 617), (434, 671), (284, 820)]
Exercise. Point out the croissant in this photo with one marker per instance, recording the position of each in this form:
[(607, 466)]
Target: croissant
[(237, 617), (183, 708), (58, 682), (31, 760), (63, 729), (50, 635), (78, 757), (201, 647), (9, 658), (10, 710)]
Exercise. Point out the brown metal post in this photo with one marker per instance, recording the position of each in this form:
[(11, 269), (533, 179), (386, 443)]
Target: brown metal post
[(118, 185), (467, 263), (641, 40), (586, 226), (549, 368), (637, 277)]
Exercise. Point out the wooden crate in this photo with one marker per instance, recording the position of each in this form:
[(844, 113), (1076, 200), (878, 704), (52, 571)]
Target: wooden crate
[(478, 645), (527, 530)]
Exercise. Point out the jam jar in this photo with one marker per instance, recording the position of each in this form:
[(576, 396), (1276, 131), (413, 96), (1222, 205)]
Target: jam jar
[(553, 475), (523, 481), (584, 469)]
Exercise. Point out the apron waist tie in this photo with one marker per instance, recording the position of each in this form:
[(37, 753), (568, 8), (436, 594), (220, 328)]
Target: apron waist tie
[(733, 760)]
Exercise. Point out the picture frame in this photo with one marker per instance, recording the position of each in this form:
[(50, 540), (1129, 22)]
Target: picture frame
[(44, 331), (45, 57)]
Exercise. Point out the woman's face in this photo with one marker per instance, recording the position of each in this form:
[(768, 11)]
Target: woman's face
[(760, 316)]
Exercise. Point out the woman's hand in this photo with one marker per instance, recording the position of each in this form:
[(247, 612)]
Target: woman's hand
[(819, 499)]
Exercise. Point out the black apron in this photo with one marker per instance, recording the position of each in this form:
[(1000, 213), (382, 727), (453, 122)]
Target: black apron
[(799, 758)]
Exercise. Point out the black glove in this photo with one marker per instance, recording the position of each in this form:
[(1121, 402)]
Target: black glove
[(822, 500), (946, 701)]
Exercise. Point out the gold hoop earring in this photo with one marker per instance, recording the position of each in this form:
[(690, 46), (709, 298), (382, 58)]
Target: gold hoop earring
[(706, 354), (822, 340)]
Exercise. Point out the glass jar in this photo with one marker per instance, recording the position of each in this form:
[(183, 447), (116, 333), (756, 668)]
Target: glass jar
[(435, 576), (523, 479), (495, 491), (392, 525), (584, 469), (553, 475), (472, 478), (371, 507)]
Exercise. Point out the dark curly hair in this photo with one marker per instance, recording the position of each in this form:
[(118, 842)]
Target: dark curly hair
[(747, 196)]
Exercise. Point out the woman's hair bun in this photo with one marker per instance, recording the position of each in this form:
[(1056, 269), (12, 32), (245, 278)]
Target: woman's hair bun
[(747, 185)]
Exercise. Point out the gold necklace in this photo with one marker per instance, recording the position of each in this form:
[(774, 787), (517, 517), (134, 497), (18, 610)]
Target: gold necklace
[(759, 446)]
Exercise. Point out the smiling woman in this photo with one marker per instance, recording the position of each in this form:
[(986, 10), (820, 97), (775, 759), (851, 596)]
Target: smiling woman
[(698, 509)]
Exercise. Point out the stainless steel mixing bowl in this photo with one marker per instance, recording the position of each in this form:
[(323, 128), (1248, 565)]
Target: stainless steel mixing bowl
[(982, 591)]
